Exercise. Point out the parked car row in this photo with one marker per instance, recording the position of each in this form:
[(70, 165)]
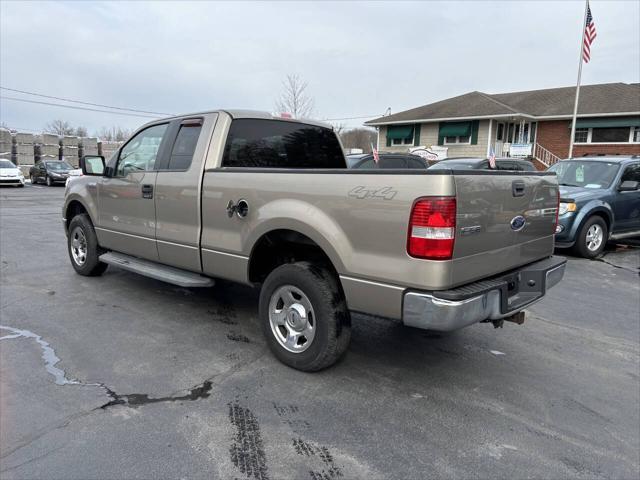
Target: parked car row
[(599, 196)]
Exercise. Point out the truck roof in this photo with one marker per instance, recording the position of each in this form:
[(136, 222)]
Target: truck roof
[(255, 114)]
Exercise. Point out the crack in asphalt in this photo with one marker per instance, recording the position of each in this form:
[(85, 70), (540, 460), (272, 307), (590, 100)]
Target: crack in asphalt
[(50, 358)]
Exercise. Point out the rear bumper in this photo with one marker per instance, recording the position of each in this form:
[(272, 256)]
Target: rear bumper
[(492, 299)]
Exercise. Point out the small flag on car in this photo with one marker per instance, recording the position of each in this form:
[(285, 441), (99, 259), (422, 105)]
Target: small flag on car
[(376, 157), (492, 158)]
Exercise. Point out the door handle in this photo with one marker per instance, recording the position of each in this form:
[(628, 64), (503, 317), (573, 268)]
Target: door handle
[(147, 191), (517, 188)]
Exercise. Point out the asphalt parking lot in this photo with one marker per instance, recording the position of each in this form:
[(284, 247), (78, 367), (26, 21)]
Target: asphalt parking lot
[(157, 381)]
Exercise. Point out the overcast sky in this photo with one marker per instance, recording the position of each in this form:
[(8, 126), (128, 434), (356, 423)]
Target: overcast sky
[(358, 58)]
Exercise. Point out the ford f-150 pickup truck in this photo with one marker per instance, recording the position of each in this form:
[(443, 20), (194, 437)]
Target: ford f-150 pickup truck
[(266, 201)]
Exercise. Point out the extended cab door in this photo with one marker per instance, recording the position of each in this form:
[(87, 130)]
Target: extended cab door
[(127, 214), (178, 190)]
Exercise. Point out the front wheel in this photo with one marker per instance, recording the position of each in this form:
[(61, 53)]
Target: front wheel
[(49, 182), (34, 179), (304, 316), (83, 247), (592, 238)]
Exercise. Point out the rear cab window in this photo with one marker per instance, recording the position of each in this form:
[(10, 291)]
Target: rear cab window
[(261, 143)]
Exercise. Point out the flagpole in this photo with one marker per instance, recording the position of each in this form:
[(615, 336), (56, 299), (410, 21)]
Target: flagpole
[(575, 106)]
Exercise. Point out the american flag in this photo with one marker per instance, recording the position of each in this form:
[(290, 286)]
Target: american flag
[(376, 157), (492, 158), (589, 36)]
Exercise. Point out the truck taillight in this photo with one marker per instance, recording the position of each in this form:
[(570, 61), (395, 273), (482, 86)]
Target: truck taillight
[(432, 228)]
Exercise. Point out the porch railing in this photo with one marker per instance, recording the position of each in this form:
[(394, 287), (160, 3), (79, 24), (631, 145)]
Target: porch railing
[(545, 156)]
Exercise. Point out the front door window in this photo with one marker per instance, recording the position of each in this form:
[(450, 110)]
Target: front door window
[(140, 153)]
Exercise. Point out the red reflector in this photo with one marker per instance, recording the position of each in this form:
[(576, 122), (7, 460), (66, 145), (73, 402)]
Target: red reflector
[(432, 228), (555, 225)]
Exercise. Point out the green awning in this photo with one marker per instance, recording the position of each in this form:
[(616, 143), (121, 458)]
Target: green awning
[(608, 122), (404, 131), (455, 129)]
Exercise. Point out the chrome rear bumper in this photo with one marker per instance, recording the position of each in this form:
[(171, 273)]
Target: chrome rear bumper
[(493, 299)]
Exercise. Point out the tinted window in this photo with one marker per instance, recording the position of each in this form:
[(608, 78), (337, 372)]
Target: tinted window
[(632, 173), (280, 144), (59, 166), (184, 146), (140, 153), (393, 162), (415, 163), (501, 165)]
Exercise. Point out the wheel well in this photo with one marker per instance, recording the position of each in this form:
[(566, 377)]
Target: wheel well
[(284, 246), (74, 208), (602, 215)]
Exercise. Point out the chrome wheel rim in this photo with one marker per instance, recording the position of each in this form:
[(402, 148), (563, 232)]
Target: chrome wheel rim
[(595, 235), (78, 246), (292, 319)]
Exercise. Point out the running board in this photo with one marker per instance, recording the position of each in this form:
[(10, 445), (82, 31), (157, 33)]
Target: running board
[(620, 236), (155, 270)]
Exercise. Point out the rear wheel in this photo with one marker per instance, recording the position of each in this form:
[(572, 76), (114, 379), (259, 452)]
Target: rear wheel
[(592, 238), (304, 316), (83, 247)]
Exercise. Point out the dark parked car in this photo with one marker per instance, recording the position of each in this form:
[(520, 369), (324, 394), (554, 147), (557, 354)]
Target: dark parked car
[(599, 201), (478, 163), (50, 172), (388, 160)]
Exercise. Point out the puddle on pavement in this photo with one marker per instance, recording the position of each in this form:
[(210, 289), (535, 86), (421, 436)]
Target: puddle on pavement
[(48, 355)]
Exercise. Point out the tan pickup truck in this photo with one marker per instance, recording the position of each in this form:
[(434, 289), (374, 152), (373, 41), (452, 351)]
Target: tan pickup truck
[(265, 201)]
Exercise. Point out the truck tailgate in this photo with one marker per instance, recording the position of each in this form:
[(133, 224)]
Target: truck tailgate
[(503, 221)]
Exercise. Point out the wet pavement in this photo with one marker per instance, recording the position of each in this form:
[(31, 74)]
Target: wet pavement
[(126, 377)]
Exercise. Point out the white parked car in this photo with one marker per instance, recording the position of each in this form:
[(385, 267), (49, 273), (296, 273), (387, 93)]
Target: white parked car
[(10, 174)]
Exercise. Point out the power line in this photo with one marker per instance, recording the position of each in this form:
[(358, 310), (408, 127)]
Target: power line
[(85, 103), (75, 107)]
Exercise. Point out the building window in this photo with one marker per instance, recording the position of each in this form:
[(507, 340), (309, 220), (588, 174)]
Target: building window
[(500, 132), (607, 135), (400, 135), (460, 140), (582, 135), (610, 135), (402, 141)]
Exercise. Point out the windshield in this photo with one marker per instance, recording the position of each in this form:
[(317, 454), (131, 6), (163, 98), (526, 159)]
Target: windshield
[(584, 173), (6, 164), (59, 166)]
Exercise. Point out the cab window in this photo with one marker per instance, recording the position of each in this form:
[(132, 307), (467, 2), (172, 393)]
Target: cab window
[(631, 173), (140, 153)]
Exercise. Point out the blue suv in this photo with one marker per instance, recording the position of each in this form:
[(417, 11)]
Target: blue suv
[(599, 201)]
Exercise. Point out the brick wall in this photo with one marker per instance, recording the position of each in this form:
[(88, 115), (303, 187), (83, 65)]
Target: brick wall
[(555, 135)]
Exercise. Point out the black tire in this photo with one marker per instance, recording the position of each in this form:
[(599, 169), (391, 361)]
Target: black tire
[(91, 267), (331, 318), (581, 246), (34, 180), (49, 182)]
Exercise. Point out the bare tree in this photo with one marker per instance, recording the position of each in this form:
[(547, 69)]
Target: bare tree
[(59, 127), (295, 99), (113, 134), (359, 138), (81, 132)]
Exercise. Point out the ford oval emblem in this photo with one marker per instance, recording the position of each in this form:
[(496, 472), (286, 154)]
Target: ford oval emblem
[(517, 223)]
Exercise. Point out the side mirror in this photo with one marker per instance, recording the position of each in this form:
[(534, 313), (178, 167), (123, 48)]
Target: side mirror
[(92, 165), (628, 186)]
